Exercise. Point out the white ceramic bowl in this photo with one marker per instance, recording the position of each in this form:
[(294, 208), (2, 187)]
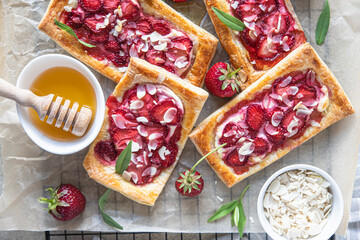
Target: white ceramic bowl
[(32, 70), (335, 215)]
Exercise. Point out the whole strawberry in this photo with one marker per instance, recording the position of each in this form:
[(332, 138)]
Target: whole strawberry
[(190, 182), (66, 202), (222, 81)]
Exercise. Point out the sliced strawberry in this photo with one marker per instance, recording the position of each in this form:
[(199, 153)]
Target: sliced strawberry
[(105, 152), (261, 146), (183, 43), (122, 119), (167, 155), (248, 12), (275, 116), (267, 51), (275, 134), (112, 46), (250, 36), (163, 109), (130, 11), (111, 5), (230, 134), (144, 25), (74, 19), (306, 93), (255, 117), (155, 136), (155, 57), (161, 27), (100, 37), (112, 103), (93, 20), (288, 42), (121, 138), (91, 5), (273, 22), (292, 118), (233, 158)]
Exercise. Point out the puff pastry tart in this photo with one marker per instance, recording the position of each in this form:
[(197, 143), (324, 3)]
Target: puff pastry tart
[(272, 32), (156, 110), (291, 103), (120, 29)]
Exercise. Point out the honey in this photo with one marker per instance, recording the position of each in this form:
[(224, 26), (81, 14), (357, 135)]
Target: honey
[(69, 84)]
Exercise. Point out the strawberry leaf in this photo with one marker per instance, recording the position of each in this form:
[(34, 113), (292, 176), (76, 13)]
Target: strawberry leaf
[(223, 211), (107, 219), (123, 160), (224, 85), (69, 30), (230, 21), (323, 24)]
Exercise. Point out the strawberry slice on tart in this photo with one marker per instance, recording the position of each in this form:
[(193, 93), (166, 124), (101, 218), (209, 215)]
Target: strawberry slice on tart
[(155, 111)]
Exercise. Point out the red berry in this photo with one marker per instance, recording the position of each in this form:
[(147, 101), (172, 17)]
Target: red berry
[(274, 134), (112, 46), (306, 93), (261, 146), (121, 138), (231, 132), (92, 21), (111, 5), (130, 11), (233, 158), (255, 117), (144, 25), (215, 85), (189, 184), (164, 109), (105, 152), (91, 5), (161, 27), (100, 37), (167, 155), (66, 202), (155, 57)]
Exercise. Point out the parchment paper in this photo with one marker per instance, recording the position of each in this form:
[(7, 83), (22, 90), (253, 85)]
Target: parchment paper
[(25, 169)]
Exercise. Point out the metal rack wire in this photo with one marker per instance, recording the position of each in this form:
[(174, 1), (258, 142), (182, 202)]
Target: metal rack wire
[(81, 235)]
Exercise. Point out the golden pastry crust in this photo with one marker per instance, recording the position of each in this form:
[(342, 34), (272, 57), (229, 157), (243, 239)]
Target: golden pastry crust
[(302, 58), (193, 99), (239, 56), (204, 43)]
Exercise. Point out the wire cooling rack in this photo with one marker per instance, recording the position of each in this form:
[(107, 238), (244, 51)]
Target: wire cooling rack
[(77, 235)]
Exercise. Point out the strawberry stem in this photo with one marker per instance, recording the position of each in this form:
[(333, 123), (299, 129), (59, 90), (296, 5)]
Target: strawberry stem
[(198, 162), (233, 73)]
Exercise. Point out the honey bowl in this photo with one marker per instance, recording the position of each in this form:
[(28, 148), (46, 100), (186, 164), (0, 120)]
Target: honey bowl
[(42, 75)]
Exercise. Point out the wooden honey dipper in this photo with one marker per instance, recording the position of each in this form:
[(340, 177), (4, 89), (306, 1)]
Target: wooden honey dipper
[(45, 106)]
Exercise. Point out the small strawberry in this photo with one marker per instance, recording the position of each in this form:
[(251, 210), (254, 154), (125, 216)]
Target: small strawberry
[(190, 182), (255, 117), (66, 202), (222, 81)]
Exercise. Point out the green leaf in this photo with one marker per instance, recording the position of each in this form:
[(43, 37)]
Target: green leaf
[(69, 30), (232, 219), (236, 215), (243, 192), (323, 24), (223, 211), (242, 219), (230, 21), (107, 219), (123, 160)]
